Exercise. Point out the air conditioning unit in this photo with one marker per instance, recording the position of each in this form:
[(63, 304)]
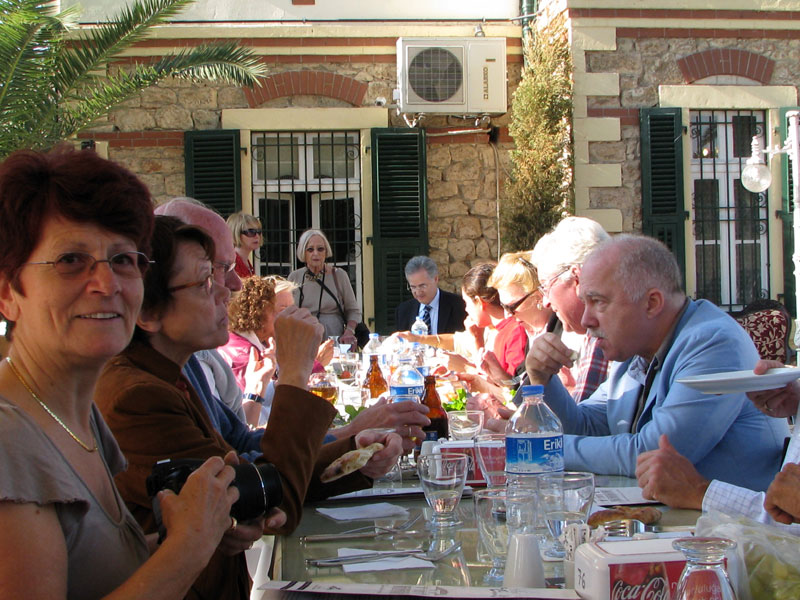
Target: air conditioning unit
[(458, 76)]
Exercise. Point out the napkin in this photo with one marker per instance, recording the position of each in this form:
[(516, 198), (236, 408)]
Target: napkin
[(386, 564), (377, 510)]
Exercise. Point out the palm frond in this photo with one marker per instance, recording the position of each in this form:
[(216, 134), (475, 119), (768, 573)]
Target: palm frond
[(52, 85), (101, 45)]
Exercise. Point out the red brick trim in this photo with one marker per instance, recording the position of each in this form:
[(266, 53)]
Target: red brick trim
[(726, 61), (307, 83), (626, 116), (289, 42), (131, 139), (687, 14), (665, 32)]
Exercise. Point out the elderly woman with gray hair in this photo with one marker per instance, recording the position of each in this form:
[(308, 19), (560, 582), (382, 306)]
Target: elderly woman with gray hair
[(324, 289)]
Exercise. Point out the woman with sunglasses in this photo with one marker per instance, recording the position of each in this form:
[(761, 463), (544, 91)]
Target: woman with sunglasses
[(247, 238), (324, 289), (74, 230)]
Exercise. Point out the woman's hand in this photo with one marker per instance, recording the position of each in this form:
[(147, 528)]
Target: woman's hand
[(201, 514), (349, 335), (325, 352), (260, 369)]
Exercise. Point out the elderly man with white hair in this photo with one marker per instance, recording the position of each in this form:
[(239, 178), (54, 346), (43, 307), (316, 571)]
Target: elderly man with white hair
[(558, 257), (631, 287)]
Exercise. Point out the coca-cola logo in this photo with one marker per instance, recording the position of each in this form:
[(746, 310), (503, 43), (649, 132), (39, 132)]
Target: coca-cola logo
[(653, 589)]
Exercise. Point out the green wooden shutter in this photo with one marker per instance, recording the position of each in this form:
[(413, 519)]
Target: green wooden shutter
[(213, 163), (786, 212), (663, 212), (399, 200)]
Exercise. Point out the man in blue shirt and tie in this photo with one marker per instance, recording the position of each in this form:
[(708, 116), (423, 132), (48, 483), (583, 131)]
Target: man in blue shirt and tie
[(442, 312)]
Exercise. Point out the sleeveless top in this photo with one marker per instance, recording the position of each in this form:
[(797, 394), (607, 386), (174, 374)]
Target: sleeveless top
[(101, 552)]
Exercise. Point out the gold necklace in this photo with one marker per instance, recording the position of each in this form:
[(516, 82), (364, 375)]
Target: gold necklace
[(46, 408)]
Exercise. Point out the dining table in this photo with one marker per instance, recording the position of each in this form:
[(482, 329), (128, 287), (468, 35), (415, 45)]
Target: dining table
[(463, 571)]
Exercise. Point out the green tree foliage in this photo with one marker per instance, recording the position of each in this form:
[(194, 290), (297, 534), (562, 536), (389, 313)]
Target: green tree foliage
[(55, 79), (540, 192)]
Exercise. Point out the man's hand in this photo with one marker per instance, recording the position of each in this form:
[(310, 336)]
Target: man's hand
[(781, 402), (669, 477), (545, 358), (297, 338), (783, 495), (381, 462), (406, 418)]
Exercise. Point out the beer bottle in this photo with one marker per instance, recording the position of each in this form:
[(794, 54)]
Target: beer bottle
[(374, 381), (430, 398)]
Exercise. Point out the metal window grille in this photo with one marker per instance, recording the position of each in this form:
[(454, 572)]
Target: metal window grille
[(731, 236), (308, 179)]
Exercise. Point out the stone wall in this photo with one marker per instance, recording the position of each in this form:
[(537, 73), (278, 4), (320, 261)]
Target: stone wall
[(462, 175), (643, 64)]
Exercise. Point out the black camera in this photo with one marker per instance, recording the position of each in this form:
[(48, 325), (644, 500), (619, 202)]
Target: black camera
[(260, 487)]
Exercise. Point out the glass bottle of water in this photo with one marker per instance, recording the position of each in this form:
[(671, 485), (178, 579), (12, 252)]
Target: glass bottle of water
[(373, 346), (406, 380), (534, 440)]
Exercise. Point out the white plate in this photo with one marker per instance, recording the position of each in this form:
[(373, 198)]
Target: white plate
[(741, 381)]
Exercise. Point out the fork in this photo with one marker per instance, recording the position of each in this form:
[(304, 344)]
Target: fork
[(361, 532), (372, 556)]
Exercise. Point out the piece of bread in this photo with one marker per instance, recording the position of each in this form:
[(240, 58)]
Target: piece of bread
[(349, 462), (646, 514)]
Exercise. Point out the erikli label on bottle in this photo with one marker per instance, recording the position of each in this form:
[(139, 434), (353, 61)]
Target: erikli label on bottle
[(534, 453)]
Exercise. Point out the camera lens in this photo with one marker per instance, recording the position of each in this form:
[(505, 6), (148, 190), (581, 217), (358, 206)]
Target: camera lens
[(260, 490)]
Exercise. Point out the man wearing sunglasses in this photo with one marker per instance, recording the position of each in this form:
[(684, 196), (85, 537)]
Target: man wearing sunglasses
[(442, 312), (558, 257)]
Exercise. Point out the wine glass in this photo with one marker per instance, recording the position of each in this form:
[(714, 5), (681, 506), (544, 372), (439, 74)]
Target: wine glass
[(490, 450), (500, 513), (464, 424), (704, 576), (443, 477), (564, 498)]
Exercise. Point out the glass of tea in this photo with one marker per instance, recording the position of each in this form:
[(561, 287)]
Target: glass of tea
[(323, 385)]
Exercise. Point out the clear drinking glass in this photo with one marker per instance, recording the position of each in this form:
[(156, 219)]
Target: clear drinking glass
[(464, 424), (324, 385), (500, 513), (704, 576), (442, 477), (490, 451), (564, 498)]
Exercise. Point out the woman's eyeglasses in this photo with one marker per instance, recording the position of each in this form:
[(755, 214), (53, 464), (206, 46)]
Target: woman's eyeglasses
[(319, 249), (514, 306), (130, 265), (206, 285), (251, 232)]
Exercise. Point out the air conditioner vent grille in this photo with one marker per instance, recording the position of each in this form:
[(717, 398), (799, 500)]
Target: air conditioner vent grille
[(435, 74)]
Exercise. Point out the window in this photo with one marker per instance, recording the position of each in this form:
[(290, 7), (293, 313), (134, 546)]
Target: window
[(731, 244), (303, 180)]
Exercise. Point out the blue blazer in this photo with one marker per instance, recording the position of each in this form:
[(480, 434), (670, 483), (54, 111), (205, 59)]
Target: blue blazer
[(725, 436), (452, 313)]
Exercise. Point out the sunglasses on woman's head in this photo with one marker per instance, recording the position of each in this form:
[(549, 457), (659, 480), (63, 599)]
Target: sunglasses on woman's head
[(251, 232)]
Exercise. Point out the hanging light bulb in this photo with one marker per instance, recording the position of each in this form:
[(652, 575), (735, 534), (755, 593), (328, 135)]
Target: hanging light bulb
[(756, 176)]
